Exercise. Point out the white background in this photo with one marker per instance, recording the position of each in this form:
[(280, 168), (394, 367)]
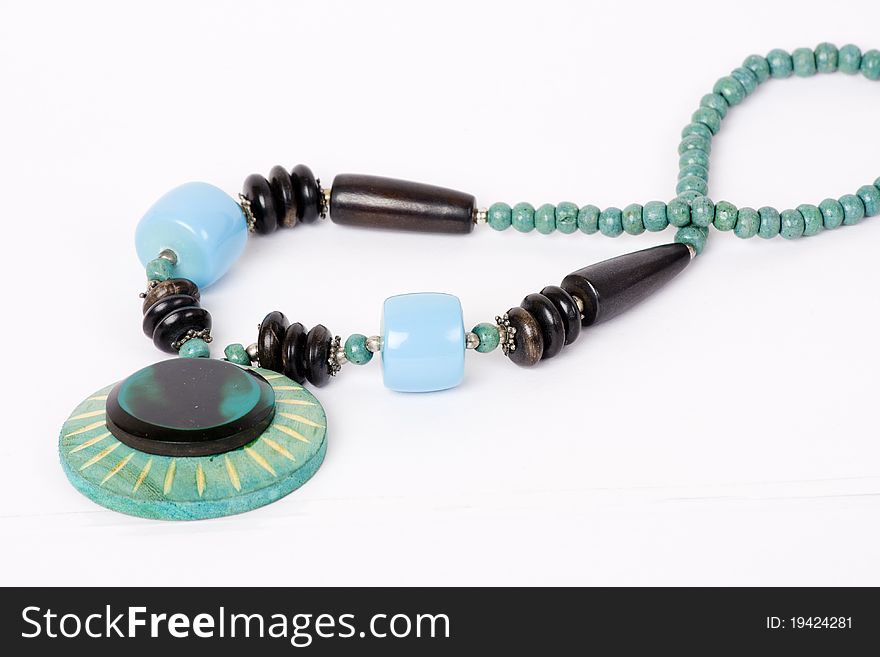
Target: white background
[(724, 432)]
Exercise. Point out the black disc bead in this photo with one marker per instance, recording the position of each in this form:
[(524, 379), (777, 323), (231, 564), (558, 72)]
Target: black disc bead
[(528, 342), (164, 306), (568, 311), (256, 189), (169, 288), (293, 353), (283, 196), (305, 187), (550, 321), (270, 340), (318, 344), (175, 325)]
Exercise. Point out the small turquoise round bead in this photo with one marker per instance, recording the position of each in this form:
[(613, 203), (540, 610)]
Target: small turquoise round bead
[(792, 224), (702, 211), (692, 184), (715, 102), (748, 222), (725, 216), (709, 118), (588, 219), (693, 235), (832, 213), (812, 219), (654, 216), (499, 216), (804, 62), (488, 335), (236, 353), (780, 63), (545, 219), (611, 222), (523, 217), (759, 66), (731, 89), (849, 59), (678, 212), (694, 143), (194, 348), (694, 156), (566, 217), (746, 78), (694, 170), (826, 58), (870, 66), (870, 196), (356, 349), (632, 219), (159, 269), (853, 209), (770, 222), (698, 129)]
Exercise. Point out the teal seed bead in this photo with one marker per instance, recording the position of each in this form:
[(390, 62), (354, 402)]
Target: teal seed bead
[(870, 196), (678, 212), (654, 216), (689, 196), (709, 118), (791, 224), (804, 62), (759, 66), (695, 143), (746, 78), (715, 102), (832, 213), (780, 63), (692, 184), (826, 58), (748, 221), (566, 217), (236, 353), (499, 216), (588, 219), (731, 89), (356, 349), (694, 156), (488, 335), (770, 222), (702, 211), (698, 129), (545, 219), (160, 269), (870, 66), (725, 215), (611, 222), (523, 217), (632, 219), (195, 348), (853, 209), (812, 219), (693, 235), (849, 59), (693, 170)]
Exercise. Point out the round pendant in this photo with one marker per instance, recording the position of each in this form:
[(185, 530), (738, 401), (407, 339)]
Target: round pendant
[(185, 439)]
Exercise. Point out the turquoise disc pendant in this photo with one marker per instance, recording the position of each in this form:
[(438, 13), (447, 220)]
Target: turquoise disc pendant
[(186, 439)]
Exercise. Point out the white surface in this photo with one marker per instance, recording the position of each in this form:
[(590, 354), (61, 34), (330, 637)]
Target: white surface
[(724, 432)]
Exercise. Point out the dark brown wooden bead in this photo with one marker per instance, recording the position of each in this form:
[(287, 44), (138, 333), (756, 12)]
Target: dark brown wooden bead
[(257, 190), (270, 339), (175, 325), (318, 343), (308, 197), (293, 353), (529, 344), (375, 202), (283, 196), (548, 318), (568, 311), (157, 312), (169, 288)]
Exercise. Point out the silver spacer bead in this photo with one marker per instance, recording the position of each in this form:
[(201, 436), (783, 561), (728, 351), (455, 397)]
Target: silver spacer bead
[(579, 303), (245, 204), (169, 255), (341, 358), (472, 340), (481, 215), (506, 333), (333, 359), (374, 344), (692, 251), (323, 200), (253, 353), (203, 334)]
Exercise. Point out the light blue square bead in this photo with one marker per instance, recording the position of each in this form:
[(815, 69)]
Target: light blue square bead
[(423, 342)]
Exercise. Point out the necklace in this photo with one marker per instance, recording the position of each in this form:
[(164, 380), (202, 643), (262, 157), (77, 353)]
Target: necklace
[(192, 437)]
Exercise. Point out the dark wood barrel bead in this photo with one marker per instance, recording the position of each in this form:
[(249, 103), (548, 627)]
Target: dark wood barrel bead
[(308, 197), (256, 189), (548, 318), (293, 353), (175, 325), (568, 311), (169, 288), (157, 312), (318, 344), (270, 339), (375, 202), (528, 341), (283, 196)]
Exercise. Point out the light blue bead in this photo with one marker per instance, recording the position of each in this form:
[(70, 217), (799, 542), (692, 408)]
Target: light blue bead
[(159, 269), (849, 59), (870, 196), (792, 224), (654, 216), (870, 66), (707, 117), (746, 78), (694, 236), (566, 217), (611, 222), (702, 211), (423, 342), (203, 225), (853, 209), (780, 62), (804, 62), (770, 222), (812, 218), (715, 102), (826, 58), (545, 219), (748, 221), (759, 66), (731, 89), (195, 348), (523, 217), (499, 216), (588, 219), (832, 213), (632, 219)]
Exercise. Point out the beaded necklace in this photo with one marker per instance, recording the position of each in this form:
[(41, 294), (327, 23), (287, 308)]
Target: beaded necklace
[(193, 437)]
